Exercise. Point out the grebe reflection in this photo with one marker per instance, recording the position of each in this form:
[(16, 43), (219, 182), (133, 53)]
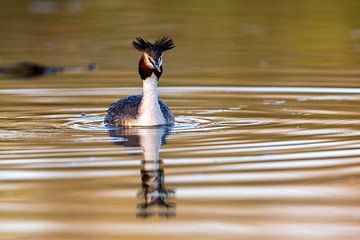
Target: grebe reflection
[(153, 192)]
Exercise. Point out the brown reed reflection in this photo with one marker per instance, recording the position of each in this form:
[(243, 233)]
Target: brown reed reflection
[(27, 70), (155, 197)]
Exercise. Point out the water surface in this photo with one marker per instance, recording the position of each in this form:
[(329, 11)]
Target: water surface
[(266, 141)]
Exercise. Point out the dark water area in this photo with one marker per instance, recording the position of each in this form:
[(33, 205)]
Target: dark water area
[(266, 140)]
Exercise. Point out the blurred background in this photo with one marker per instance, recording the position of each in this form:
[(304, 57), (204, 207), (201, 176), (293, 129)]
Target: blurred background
[(241, 42)]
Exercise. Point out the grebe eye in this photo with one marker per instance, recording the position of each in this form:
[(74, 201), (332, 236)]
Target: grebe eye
[(151, 61)]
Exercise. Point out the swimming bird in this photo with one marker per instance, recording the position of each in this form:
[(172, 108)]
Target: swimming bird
[(146, 109)]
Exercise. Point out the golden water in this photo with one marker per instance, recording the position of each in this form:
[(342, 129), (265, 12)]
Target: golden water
[(266, 144)]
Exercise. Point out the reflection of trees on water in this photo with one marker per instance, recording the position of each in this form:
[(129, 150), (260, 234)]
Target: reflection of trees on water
[(155, 196), (26, 70)]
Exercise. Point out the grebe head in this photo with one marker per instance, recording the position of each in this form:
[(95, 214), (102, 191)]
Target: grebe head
[(152, 54)]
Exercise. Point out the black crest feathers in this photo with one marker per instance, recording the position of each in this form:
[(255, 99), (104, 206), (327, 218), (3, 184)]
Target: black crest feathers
[(160, 45)]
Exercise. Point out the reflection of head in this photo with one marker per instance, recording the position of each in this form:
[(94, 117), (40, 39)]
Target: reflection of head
[(153, 190), (154, 193)]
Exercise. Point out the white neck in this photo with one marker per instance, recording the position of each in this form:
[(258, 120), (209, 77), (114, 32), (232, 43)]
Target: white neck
[(150, 112), (150, 89)]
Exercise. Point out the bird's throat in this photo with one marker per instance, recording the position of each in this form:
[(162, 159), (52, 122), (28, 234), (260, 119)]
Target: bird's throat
[(150, 112)]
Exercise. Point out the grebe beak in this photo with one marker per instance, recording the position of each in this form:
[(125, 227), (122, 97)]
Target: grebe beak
[(157, 66)]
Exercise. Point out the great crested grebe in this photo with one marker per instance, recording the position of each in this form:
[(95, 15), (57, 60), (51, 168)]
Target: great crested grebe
[(146, 109)]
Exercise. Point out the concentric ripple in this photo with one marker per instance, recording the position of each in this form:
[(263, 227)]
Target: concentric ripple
[(242, 149)]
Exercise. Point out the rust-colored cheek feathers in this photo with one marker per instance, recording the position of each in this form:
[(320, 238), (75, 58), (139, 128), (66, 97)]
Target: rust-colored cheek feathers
[(153, 50), (146, 71)]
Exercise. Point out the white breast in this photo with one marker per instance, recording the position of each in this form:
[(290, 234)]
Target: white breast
[(149, 111)]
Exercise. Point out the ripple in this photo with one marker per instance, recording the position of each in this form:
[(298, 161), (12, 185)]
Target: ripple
[(175, 90), (95, 123), (234, 144), (13, 134), (87, 123), (188, 123), (242, 122)]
